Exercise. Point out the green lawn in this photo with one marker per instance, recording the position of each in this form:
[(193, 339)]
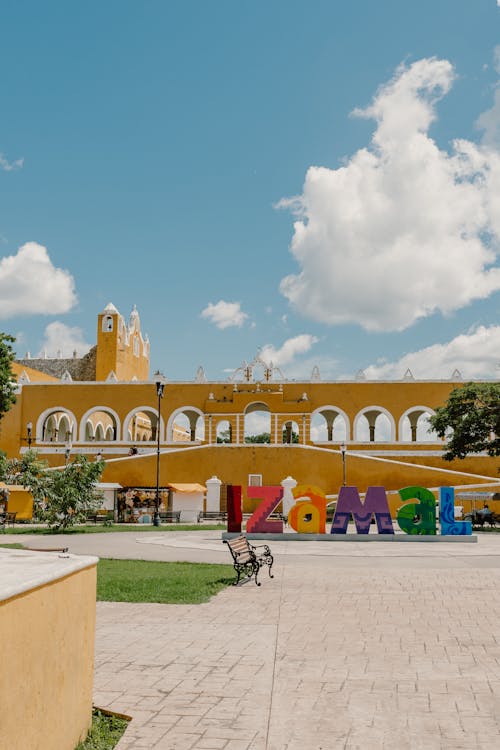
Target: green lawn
[(116, 528), (13, 545), (163, 582)]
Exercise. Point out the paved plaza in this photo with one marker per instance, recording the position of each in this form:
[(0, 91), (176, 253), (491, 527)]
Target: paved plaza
[(351, 645)]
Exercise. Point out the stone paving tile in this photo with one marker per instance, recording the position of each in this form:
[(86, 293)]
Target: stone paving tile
[(325, 656)]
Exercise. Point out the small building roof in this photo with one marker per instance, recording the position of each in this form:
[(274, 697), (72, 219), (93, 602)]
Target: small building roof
[(187, 488)]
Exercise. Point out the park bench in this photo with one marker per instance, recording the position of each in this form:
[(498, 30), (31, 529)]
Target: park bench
[(480, 519), (212, 515), (171, 516), (248, 559), (101, 516), (7, 519)]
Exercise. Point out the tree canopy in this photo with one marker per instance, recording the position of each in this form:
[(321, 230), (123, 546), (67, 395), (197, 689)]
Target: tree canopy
[(262, 437), (470, 420), (7, 386), (62, 496)]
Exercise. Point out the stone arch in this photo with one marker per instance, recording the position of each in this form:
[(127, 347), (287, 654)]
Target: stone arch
[(107, 323), (224, 431), (64, 431), (86, 419), (413, 415), (152, 414), (54, 413), (331, 415), (251, 424), (291, 431), (193, 415), (99, 433), (371, 415)]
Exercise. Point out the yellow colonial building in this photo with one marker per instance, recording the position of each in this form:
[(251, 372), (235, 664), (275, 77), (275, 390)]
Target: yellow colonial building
[(105, 404)]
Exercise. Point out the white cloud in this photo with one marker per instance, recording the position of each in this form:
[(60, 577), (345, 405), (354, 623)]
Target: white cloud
[(257, 423), (475, 354), (10, 166), (289, 350), (302, 370), (489, 121), (63, 340), (225, 314), (30, 284), (403, 229)]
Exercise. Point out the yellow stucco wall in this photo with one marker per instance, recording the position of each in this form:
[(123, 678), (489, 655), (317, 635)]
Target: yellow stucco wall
[(46, 676), (306, 462), (233, 464), (20, 502)]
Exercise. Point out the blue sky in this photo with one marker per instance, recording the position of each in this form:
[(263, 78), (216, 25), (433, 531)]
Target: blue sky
[(149, 152)]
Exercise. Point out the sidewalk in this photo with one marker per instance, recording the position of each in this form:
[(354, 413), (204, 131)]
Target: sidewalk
[(347, 647)]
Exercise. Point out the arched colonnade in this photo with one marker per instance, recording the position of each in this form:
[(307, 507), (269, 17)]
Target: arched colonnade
[(188, 424)]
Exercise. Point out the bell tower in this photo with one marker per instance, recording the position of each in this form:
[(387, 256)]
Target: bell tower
[(122, 353), (107, 342)]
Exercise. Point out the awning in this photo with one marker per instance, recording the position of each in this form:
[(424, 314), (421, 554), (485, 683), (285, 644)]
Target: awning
[(187, 488)]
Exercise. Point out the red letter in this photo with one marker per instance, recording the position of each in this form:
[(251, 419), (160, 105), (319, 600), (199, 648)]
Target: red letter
[(258, 521)]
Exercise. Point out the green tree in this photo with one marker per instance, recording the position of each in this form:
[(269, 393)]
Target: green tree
[(72, 493), (7, 385), (62, 496), (263, 437), (470, 420)]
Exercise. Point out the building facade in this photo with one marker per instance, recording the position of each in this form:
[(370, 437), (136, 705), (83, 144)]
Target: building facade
[(357, 432)]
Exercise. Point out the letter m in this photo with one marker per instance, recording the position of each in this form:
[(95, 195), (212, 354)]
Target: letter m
[(375, 504)]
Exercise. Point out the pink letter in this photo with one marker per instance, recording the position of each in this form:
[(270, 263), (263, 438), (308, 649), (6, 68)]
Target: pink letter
[(258, 521)]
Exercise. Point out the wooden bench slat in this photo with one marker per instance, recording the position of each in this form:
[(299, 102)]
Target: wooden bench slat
[(248, 559)]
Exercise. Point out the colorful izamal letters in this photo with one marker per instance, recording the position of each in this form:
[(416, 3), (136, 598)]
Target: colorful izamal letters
[(417, 515)]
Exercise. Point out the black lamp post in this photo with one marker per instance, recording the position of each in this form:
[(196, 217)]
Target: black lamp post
[(29, 429), (67, 452), (343, 450), (160, 384)]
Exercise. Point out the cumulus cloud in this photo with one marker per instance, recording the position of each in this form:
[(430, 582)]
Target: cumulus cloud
[(403, 229), (30, 284), (62, 340), (475, 354), (225, 314), (10, 166), (489, 121), (289, 350), (257, 422)]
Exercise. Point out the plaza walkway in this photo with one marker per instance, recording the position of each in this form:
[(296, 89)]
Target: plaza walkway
[(349, 646)]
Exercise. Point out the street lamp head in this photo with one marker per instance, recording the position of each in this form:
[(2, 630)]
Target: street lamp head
[(343, 450), (160, 381), (29, 427)]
